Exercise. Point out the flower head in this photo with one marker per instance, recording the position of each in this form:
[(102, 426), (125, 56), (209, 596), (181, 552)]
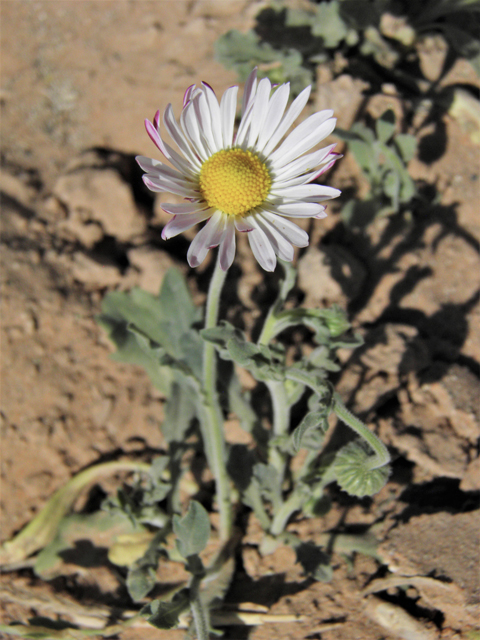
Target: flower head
[(251, 181)]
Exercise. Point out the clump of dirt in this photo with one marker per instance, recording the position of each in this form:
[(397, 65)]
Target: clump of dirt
[(77, 222)]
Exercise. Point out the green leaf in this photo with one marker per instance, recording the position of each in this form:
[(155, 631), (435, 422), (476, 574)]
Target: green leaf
[(385, 126), (364, 156), (241, 351), (131, 350), (243, 51), (329, 25), (353, 474), (140, 581), (268, 480), (180, 409), (391, 187), (165, 615), (407, 146), (310, 432), (143, 327), (193, 530)]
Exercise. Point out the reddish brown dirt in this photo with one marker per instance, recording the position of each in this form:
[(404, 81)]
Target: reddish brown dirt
[(78, 79)]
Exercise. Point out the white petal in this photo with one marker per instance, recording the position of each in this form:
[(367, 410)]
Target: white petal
[(228, 107), (307, 191), (281, 246), (215, 115), (299, 209), (243, 127), (153, 131), (302, 165), (303, 138), (249, 90), (227, 245), (292, 114), (260, 109), (209, 236), (287, 228), (276, 109), (242, 224), (181, 223), (159, 185), (204, 120), (329, 165), (262, 249), (155, 136), (156, 169), (215, 228), (190, 126), (188, 94), (148, 164), (178, 137), (182, 209)]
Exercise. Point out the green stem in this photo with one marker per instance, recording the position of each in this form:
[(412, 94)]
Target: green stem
[(282, 516), (281, 424), (212, 418), (381, 457), (280, 406)]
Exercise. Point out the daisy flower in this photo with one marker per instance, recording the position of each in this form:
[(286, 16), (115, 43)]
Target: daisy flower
[(250, 181)]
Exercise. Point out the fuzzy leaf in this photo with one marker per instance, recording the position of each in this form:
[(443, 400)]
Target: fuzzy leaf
[(353, 473), (193, 530), (385, 126), (180, 409), (310, 432), (329, 25), (407, 146), (165, 615)]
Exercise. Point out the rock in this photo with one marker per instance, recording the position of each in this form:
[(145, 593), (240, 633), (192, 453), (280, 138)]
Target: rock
[(432, 51), (152, 265), (329, 274), (471, 479), (428, 429), (344, 95), (444, 545), (99, 196), (390, 352), (92, 274), (397, 622), (397, 28)]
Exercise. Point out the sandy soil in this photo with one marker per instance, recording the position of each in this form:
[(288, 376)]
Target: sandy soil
[(78, 79)]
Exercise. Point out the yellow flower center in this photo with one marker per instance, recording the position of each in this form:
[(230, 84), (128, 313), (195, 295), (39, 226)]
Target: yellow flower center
[(234, 181)]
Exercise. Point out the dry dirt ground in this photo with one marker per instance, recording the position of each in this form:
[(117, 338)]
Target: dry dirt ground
[(78, 79)]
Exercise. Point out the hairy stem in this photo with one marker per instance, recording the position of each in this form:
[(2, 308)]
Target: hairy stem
[(381, 456), (212, 419)]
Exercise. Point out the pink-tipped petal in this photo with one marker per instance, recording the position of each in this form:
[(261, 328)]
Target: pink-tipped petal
[(188, 94), (178, 224), (325, 168), (155, 137), (243, 225)]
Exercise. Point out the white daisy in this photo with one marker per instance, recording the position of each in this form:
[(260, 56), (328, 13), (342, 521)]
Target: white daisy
[(250, 181)]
